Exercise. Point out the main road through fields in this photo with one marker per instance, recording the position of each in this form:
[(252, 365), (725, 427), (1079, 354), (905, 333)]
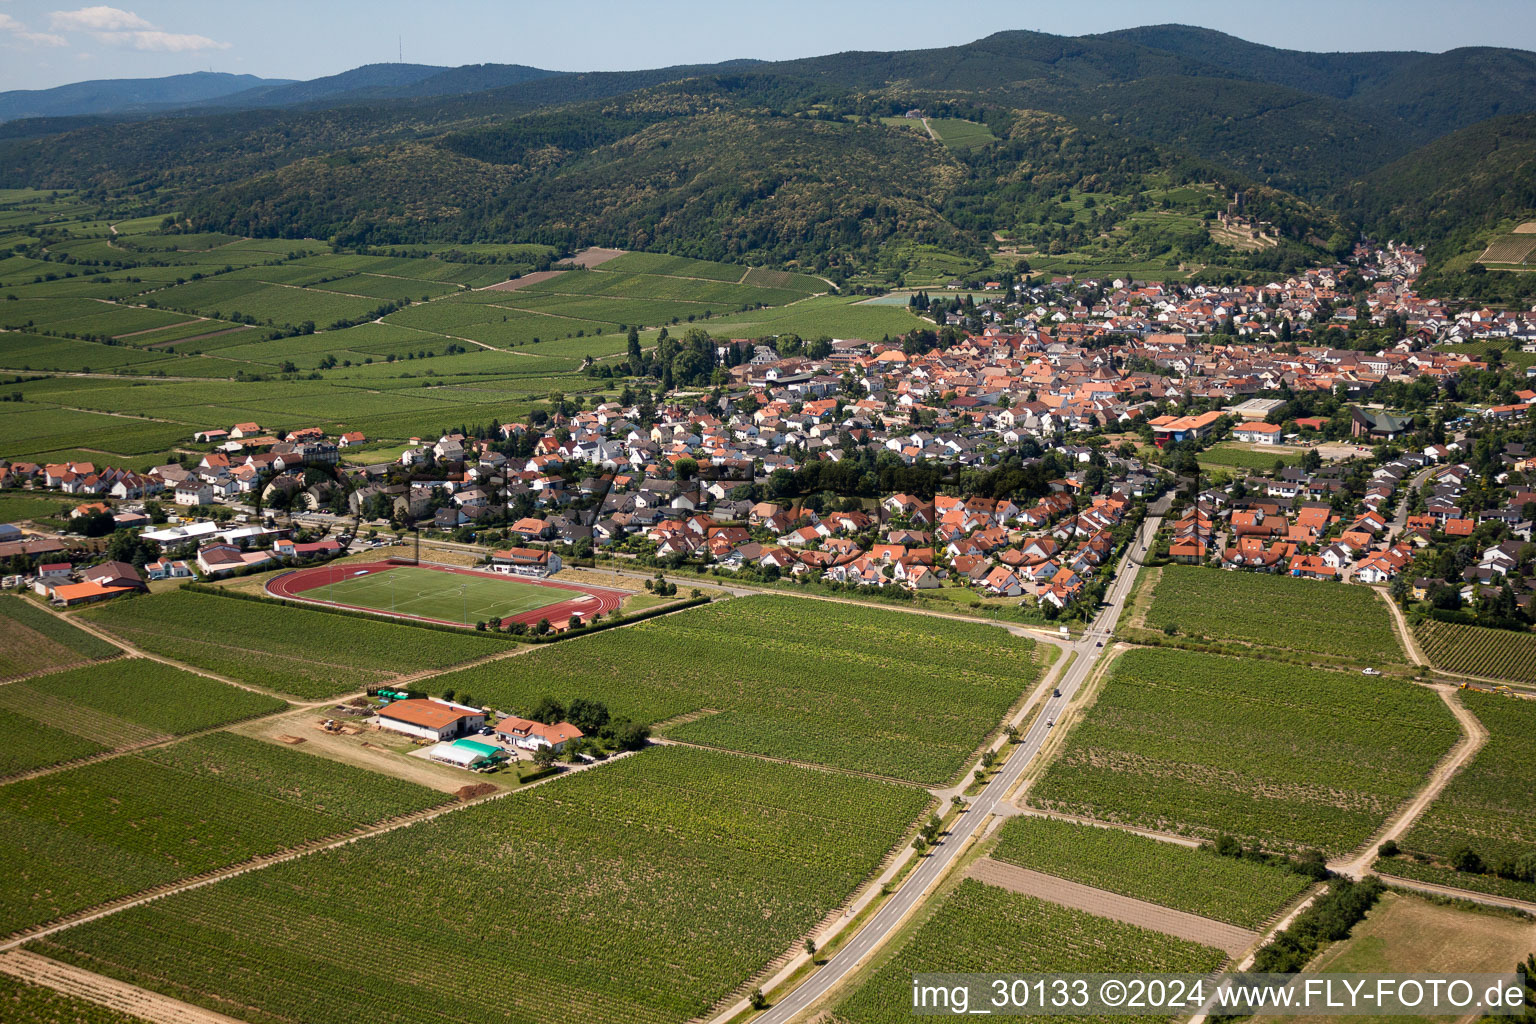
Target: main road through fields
[(1088, 649)]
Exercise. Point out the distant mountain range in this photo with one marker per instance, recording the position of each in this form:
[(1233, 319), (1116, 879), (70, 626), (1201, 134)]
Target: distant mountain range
[(128, 95), (1330, 142)]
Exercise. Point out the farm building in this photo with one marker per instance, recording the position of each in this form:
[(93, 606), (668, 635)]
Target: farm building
[(533, 735), (467, 754), (430, 719), (71, 594)]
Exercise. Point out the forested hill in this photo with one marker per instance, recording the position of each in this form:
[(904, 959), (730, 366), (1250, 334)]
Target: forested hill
[(808, 161)]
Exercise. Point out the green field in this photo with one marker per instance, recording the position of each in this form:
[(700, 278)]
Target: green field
[(34, 641), (958, 133), (133, 307), (1237, 457), (1348, 623), (309, 653), (1287, 757), (1475, 650), (981, 928), (79, 837), (1240, 892), (123, 703), (1489, 806), (444, 596), (902, 695), (25, 1003), (16, 506), (643, 891)]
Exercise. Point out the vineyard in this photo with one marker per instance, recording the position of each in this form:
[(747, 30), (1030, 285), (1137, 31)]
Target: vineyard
[(980, 928), (82, 836), (642, 891), (126, 702), (310, 654), (1478, 651), (1287, 757), (1490, 805), (900, 695), (1509, 248), (1347, 622), (1239, 892), (34, 640), (25, 1003), (1439, 874)]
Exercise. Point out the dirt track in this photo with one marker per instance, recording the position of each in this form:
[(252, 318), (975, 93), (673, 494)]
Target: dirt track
[(595, 257), (118, 995), (1230, 938), (1474, 735), (524, 281)]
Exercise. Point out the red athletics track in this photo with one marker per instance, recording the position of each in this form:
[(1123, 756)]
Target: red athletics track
[(292, 585)]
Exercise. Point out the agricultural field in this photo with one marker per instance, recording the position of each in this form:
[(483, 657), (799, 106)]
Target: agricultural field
[(900, 695), (123, 703), (1287, 757), (1236, 456), (978, 927), (32, 640), (1240, 892), (1404, 934), (26, 1003), (23, 505), (957, 133), (309, 653), (1490, 805), (642, 891), (79, 837), (1348, 623), (1510, 248), (1478, 651)]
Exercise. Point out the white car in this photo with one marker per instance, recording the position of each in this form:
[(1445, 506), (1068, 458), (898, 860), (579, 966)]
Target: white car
[(1370, 671)]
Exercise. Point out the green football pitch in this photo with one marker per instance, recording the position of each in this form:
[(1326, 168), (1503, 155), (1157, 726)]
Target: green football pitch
[(446, 596)]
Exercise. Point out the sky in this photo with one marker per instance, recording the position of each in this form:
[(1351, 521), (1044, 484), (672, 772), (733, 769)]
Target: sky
[(44, 44)]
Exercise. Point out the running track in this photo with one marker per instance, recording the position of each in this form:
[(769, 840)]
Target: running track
[(292, 585)]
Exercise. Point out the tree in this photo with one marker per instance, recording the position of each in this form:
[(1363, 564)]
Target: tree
[(545, 756), (758, 1000), (1465, 859), (587, 715), (631, 736), (549, 711), (919, 844), (810, 947), (685, 468)]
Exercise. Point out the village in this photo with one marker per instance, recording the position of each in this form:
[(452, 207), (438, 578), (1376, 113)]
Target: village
[(849, 470)]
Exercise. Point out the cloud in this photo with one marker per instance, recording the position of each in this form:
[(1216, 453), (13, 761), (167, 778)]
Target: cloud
[(97, 19), (117, 27), (18, 31), (169, 42)]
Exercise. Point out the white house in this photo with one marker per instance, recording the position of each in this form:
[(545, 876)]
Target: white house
[(521, 732), (1257, 433), (192, 491)]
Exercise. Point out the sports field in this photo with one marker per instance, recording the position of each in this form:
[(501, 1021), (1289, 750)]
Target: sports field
[(441, 594)]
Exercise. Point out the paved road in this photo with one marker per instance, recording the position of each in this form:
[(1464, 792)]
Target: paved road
[(933, 867)]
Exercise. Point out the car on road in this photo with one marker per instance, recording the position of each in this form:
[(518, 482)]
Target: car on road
[(1370, 671), (1050, 723), (1055, 693)]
